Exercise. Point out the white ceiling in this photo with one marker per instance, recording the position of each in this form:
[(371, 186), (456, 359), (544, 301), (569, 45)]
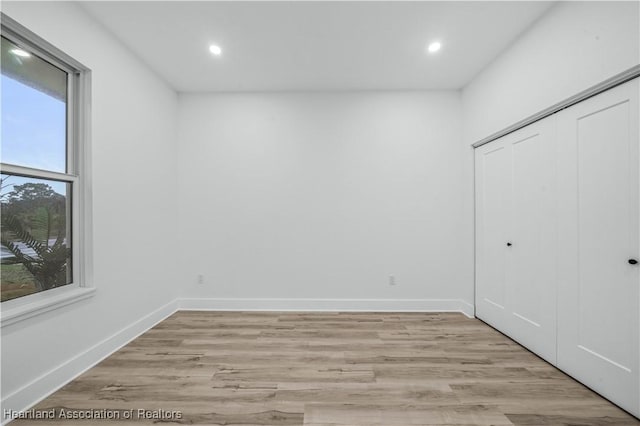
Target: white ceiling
[(346, 45)]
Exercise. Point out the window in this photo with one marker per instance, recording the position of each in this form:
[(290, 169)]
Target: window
[(42, 167)]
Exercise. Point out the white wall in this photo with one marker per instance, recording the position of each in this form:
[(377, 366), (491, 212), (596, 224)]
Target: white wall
[(573, 46), (322, 196), (134, 218)]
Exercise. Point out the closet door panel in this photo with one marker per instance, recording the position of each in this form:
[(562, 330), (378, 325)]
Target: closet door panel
[(493, 170), (598, 322), (531, 278), (516, 280)]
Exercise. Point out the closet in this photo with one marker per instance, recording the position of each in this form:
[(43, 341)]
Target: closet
[(515, 273), (557, 240)]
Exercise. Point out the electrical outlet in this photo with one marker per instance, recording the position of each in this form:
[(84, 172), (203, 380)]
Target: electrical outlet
[(392, 280), (200, 279)]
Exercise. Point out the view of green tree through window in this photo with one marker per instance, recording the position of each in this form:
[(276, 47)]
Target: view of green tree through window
[(35, 193), (35, 247)]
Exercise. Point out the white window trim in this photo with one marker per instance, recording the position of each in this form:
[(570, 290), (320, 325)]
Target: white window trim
[(79, 172), (55, 298)]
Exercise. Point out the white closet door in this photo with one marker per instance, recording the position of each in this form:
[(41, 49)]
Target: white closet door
[(515, 269), (598, 321), (532, 273), (493, 193)]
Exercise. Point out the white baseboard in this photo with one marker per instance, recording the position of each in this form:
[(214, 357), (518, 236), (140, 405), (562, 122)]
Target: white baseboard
[(467, 308), (328, 305), (38, 389)]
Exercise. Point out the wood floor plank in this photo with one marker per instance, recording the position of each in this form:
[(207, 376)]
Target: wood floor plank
[(381, 414), (331, 369)]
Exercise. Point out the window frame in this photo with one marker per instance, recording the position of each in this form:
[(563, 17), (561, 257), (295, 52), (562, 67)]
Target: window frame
[(77, 172)]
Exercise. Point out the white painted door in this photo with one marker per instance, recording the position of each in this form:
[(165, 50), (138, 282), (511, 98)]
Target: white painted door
[(516, 271), (493, 193), (532, 274), (598, 320)]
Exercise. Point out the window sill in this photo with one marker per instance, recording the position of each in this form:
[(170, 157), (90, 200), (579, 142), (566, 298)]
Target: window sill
[(16, 314)]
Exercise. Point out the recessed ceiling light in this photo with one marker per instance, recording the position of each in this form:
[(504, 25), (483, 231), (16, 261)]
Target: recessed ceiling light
[(434, 47), (20, 52), (215, 49)]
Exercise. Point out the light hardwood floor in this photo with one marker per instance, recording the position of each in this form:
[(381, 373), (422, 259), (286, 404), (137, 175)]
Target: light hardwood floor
[(312, 369)]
